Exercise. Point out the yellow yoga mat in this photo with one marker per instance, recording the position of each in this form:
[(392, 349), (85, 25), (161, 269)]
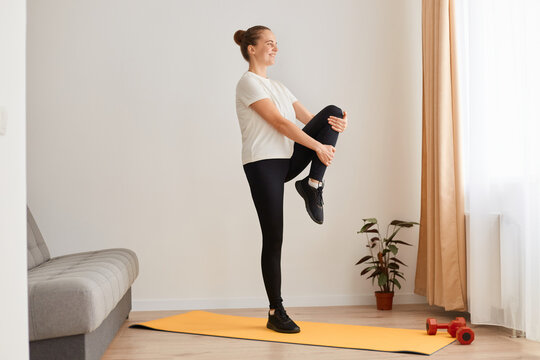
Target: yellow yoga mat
[(312, 333)]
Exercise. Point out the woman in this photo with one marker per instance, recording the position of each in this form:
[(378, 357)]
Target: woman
[(275, 150)]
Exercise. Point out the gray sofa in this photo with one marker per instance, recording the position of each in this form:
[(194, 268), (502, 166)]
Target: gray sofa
[(77, 302)]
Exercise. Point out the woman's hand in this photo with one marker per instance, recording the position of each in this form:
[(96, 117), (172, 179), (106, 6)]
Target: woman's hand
[(326, 154), (338, 124)]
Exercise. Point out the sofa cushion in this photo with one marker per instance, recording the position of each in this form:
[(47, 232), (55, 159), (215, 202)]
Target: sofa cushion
[(37, 250), (73, 294)]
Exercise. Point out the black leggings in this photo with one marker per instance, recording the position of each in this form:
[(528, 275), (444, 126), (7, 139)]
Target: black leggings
[(266, 180)]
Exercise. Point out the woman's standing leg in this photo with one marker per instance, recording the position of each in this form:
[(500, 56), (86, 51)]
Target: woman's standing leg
[(265, 179)]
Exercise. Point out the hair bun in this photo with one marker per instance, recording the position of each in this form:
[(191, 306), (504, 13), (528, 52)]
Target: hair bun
[(238, 36)]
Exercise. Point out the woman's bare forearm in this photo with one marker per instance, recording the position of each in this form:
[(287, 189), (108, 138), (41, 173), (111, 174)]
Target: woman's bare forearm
[(294, 133), (269, 112)]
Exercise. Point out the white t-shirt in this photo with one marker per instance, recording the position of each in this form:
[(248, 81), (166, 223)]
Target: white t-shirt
[(260, 140)]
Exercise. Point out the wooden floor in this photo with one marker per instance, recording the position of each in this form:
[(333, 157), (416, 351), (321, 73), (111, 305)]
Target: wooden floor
[(133, 344)]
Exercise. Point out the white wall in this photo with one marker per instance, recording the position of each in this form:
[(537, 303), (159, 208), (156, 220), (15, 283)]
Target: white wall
[(133, 141), (14, 298)]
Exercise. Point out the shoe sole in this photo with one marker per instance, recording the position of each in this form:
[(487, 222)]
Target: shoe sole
[(272, 327), (298, 186)]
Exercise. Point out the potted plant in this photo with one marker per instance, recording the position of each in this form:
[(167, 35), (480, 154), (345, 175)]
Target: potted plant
[(382, 262)]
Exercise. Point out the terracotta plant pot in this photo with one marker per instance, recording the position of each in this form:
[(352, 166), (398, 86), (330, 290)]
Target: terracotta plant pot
[(384, 300)]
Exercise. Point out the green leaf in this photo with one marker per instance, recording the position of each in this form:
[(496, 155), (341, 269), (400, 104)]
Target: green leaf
[(371, 220), (406, 224), (375, 262), (364, 259), (374, 239), (366, 227), (401, 242), (397, 260), (368, 269), (397, 283), (377, 271), (392, 236), (393, 266), (383, 279), (393, 249), (399, 275), (385, 251), (375, 231)]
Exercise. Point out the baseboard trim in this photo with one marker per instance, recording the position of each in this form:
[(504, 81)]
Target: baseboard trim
[(243, 303)]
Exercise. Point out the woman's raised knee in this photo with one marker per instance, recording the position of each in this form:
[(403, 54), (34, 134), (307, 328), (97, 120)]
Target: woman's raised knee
[(333, 110)]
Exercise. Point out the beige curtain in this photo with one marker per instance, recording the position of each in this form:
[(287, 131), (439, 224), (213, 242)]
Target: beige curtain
[(441, 268)]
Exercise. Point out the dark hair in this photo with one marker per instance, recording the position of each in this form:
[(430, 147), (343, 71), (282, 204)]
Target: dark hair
[(248, 37)]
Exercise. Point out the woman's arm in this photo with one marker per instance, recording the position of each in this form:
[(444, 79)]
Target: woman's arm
[(269, 112), (302, 113)]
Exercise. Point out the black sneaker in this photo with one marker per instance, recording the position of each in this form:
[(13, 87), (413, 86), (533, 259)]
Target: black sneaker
[(313, 199), (281, 322)]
